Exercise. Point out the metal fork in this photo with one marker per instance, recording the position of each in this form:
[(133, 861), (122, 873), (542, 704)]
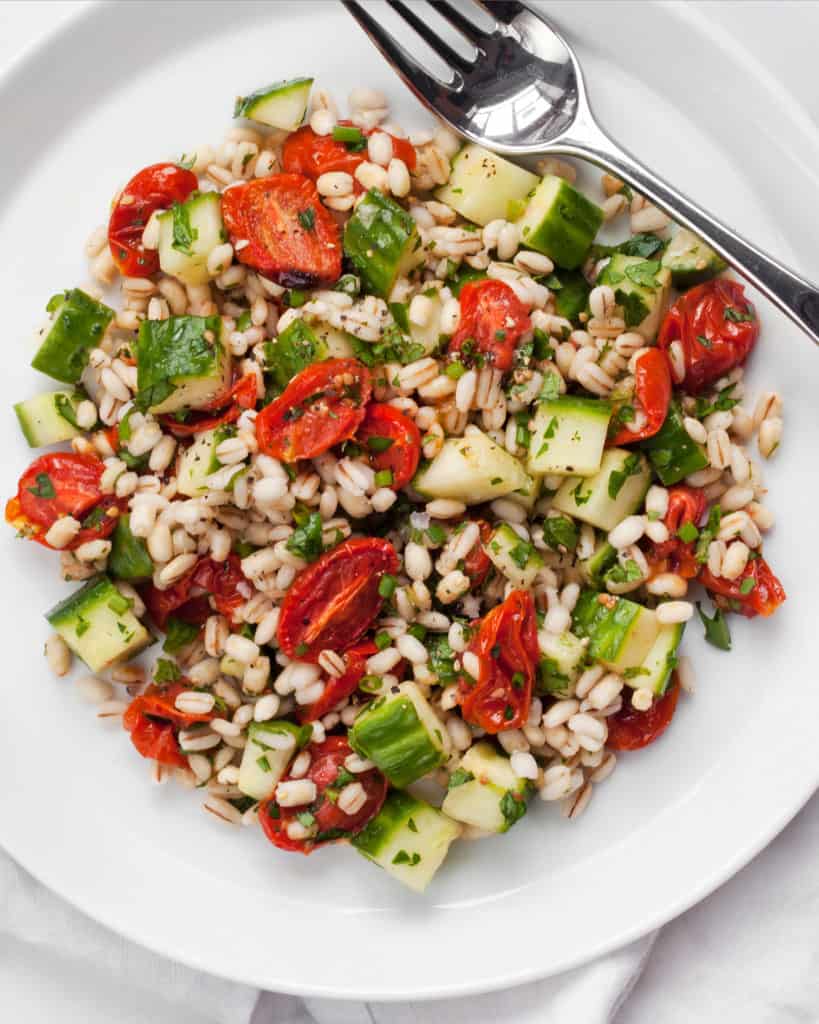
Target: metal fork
[(522, 94)]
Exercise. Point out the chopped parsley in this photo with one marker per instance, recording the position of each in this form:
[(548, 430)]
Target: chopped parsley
[(184, 234), (716, 629), (643, 245), (644, 274), (459, 777), (306, 540), (442, 660), (560, 531), (634, 307), (705, 342), (736, 316), (65, 409), (178, 634), (382, 640), (44, 488), (521, 553), (307, 218), (94, 518), (631, 467), (166, 671), (688, 533), (380, 444), (402, 857), (551, 387), (512, 808), (708, 533)]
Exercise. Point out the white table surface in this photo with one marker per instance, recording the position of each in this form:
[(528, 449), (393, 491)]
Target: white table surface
[(716, 937)]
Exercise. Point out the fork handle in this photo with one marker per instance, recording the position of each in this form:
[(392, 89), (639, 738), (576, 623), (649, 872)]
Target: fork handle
[(795, 296)]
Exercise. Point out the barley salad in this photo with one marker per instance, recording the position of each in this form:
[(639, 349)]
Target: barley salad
[(404, 476)]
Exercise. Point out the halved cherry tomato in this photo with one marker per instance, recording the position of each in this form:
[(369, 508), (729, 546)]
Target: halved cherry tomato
[(763, 598), (63, 484), (292, 237), (224, 582), (321, 407), (153, 721), (717, 328), (332, 602), (493, 319), (242, 395), (685, 505), (337, 688), (507, 651), (630, 729), (331, 823), (312, 155), (477, 563), (391, 441), (154, 188), (188, 599), (652, 394)]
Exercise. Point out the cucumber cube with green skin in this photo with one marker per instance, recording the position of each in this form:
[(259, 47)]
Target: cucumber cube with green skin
[(281, 105), (560, 222), (295, 348), (655, 672), (483, 186), (640, 290), (129, 558), (599, 562), (561, 661), (78, 324), (621, 632), (517, 559), (485, 792), (182, 363), (188, 234), (528, 496), (408, 838), (673, 454), (270, 748), (97, 624), (199, 461), (338, 343), (472, 469), (690, 260), (568, 436), (402, 735), (614, 492), (43, 419), (572, 297), (381, 240)]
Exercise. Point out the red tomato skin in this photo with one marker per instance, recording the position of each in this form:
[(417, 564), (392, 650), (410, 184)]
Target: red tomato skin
[(700, 313), (632, 730), (505, 644), (488, 309), (312, 155), (157, 739), (265, 213), (154, 188), (765, 597), (477, 563), (219, 580), (339, 687), (327, 758), (404, 454), (242, 395), (652, 388), (685, 505), (332, 602), (312, 430)]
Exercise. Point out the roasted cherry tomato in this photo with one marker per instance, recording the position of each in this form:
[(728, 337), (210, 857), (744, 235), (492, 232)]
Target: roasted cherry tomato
[(336, 688), (630, 729), (242, 395), (321, 407), (685, 505), (507, 651), (63, 484), (189, 599), (312, 155), (153, 721), (761, 596), (493, 319), (652, 395), (331, 603), (155, 188), (292, 237), (717, 328), (391, 441), (330, 822), (477, 563)]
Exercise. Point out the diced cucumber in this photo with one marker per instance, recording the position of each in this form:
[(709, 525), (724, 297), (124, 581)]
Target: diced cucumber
[(673, 454), (517, 559), (270, 748), (640, 290), (482, 185), (45, 420), (621, 632), (568, 436), (528, 496), (599, 562), (182, 363), (690, 260), (232, 667), (199, 460), (472, 469), (78, 324), (401, 734), (561, 660), (613, 493), (560, 222), (572, 297), (428, 335), (188, 234), (338, 343), (408, 838), (485, 792), (281, 105), (660, 661), (382, 241), (129, 558), (96, 627)]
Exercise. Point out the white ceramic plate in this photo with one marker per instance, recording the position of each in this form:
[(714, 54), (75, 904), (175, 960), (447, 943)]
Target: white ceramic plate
[(129, 84)]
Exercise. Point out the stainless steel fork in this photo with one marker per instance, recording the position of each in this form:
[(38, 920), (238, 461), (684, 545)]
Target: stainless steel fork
[(522, 94)]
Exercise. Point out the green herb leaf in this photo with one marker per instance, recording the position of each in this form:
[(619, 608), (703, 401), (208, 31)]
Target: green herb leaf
[(380, 444), (387, 585), (184, 234), (65, 408), (644, 274), (736, 316), (166, 671), (705, 342), (307, 218), (560, 531), (306, 541), (521, 553), (617, 477), (688, 533), (634, 308), (178, 634), (512, 808), (43, 488), (550, 388), (458, 778), (402, 857), (643, 245), (716, 629)]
